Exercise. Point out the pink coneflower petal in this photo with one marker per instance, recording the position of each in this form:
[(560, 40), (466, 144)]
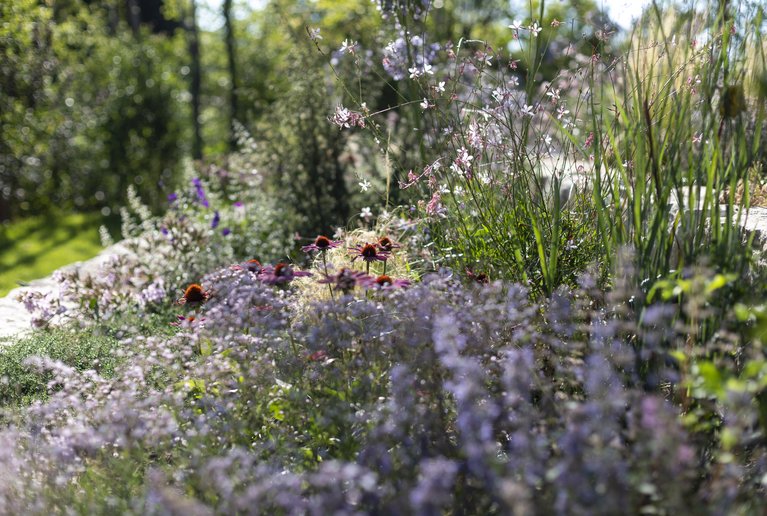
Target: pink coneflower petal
[(369, 253), (346, 279), (386, 244), (386, 282), (480, 277), (280, 274), (321, 243), (187, 322)]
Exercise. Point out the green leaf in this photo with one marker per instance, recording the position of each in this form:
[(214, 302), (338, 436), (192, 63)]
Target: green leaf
[(711, 376), (719, 281), (277, 408), (679, 356)]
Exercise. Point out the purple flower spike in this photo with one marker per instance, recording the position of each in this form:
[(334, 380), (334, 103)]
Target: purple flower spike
[(216, 220), (200, 192)]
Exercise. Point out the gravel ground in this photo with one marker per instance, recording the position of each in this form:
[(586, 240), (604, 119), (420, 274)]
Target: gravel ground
[(14, 318)]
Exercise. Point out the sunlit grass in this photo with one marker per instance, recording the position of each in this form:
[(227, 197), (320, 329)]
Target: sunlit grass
[(33, 248)]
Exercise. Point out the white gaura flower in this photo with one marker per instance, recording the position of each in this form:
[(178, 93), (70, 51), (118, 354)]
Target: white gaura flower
[(348, 47), (527, 111)]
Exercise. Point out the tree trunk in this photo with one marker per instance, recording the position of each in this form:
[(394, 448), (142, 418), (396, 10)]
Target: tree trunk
[(231, 54), (134, 16), (194, 54)]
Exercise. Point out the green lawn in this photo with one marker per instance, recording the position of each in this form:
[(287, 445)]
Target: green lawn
[(33, 248)]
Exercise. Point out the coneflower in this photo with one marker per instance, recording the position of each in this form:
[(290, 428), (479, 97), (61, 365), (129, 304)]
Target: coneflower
[(386, 282), (321, 243), (280, 274), (193, 295), (386, 244), (346, 279), (369, 253)]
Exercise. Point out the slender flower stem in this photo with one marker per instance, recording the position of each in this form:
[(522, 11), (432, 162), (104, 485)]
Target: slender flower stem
[(325, 265)]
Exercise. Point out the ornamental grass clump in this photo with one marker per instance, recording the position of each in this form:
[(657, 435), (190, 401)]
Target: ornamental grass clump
[(535, 155)]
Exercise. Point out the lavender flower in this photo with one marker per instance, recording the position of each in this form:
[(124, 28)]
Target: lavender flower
[(200, 192)]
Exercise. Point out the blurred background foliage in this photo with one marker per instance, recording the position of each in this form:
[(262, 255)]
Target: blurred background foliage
[(99, 95)]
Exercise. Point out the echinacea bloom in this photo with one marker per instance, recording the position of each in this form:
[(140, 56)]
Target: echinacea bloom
[(480, 278), (346, 279), (317, 356), (386, 244), (193, 295), (280, 274), (321, 243), (386, 282), (369, 253), (187, 322), (253, 266)]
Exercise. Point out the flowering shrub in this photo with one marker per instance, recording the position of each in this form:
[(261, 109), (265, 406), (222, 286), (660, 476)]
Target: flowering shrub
[(159, 257)]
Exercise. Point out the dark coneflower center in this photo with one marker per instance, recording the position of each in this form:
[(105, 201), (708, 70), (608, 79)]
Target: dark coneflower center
[(281, 269), (253, 265), (385, 243), (194, 294), (345, 280), (384, 280), (322, 242), (369, 251)]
